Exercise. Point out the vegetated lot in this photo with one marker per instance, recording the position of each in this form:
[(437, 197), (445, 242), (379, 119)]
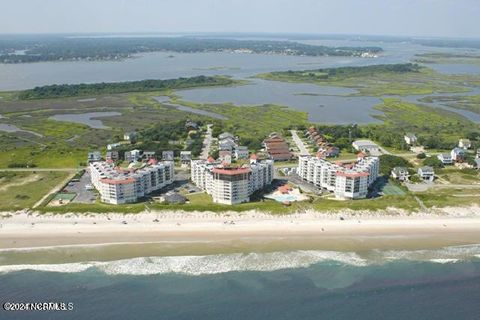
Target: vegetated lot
[(453, 175), (379, 80), (65, 144), (450, 197), (203, 202), (20, 190), (252, 123), (470, 103)]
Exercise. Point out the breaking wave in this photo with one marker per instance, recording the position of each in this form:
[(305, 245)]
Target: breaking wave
[(222, 263), (201, 265)]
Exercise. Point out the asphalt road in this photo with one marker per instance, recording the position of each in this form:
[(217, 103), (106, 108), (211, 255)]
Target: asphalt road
[(300, 145), (207, 143)]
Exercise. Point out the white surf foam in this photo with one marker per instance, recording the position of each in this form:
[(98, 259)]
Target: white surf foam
[(201, 265), (222, 263), (444, 261), (444, 255)]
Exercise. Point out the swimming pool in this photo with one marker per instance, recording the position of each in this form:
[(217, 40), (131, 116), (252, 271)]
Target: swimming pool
[(285, 197)]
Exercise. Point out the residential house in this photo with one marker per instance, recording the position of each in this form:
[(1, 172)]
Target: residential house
[(191, 125), (113, 146), (112, 156), (133, 155), (94, 156), (329, 151), (277, 148), (225, 156), (185, 157), (366, 146), (446, 158), (410, 139), (168, 155), (465, 144), (477, 163), (227, 144), (130, 136), (426, 173), (400, 173), (458, 154), (147, 155), (241, 152), (226, 135)]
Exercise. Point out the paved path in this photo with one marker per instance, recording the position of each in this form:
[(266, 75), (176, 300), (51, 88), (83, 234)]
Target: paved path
[(300, 145), (421, 204), (207, 143)]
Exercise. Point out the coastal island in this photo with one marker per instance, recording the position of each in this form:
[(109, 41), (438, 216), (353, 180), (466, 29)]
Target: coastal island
[(59, 48)]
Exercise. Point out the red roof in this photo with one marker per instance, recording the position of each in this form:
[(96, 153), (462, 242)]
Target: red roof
[(274, 139), (253, 156), (231, 172), (112, 181), (210, 159), (352, 174), (285, 189), (152, 161)]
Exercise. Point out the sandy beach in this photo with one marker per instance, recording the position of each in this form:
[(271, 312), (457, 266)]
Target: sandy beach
[(349, 229)]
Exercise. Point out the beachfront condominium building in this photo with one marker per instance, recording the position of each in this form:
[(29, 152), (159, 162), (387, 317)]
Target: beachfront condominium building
[(231, 185), (345, 180), (118, 186)]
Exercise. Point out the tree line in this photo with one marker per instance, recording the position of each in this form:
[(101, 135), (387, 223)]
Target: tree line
[(73, 90)]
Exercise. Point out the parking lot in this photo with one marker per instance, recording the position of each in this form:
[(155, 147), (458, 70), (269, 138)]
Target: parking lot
[(83, 195)]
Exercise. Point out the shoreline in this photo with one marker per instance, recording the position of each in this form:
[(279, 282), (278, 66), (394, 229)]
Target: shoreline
[(345, 230)]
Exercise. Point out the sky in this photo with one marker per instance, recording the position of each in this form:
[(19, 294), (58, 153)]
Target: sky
[(438, 18)]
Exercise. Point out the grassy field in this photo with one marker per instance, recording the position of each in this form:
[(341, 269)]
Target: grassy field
[(455, 176), (451, 197), (19, 190), (409, 117), (470, 103), (447, 58), (203, 202)]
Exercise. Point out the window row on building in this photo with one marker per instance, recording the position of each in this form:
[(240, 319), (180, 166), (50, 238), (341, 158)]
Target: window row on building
[(231, 185), (118, 186), (346, 181)]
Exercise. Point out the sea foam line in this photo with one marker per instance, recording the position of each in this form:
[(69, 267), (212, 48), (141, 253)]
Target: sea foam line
[(200, 265), (272, 261)]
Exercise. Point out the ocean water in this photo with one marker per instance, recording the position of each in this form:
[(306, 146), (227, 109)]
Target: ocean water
[(420, 284)]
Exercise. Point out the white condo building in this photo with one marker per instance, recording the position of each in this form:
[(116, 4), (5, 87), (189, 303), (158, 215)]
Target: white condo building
[(231, 185), (346, 181), (118, 186)]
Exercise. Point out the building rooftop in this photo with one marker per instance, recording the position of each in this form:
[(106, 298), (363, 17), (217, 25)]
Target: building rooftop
[(231, 171)]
